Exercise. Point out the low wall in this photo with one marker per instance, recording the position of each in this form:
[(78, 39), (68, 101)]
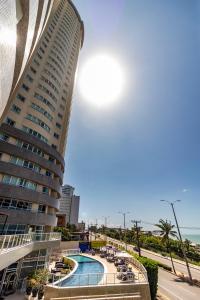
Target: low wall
[(58, 292), (69, 245)]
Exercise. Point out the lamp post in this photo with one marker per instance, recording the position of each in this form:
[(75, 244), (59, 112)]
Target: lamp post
[(180, 237), (106, 220), (124, 219)]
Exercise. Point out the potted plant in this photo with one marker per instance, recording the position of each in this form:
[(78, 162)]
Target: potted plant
[(34, 291), (41, 292), (28, 290), (31, 283)]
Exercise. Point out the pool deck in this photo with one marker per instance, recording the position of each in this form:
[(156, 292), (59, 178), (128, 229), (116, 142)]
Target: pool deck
[(110, 268)]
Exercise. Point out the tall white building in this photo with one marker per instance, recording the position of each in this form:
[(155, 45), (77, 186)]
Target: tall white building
[(69, 207), (39, 48)]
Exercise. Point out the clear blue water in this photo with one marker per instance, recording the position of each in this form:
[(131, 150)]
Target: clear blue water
[(90, 271)]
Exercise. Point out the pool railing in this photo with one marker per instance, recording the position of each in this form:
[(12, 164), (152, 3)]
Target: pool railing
[(92, 279)]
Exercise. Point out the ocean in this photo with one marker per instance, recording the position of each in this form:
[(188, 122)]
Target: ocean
[(195, 238)]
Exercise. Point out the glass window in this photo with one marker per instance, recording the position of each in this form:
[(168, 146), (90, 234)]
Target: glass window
[(6, 179), (45, 190), (33, 70), (58, 125), (3, 137), (16, 109), (41, 208), (48, 173), (10, 122), (20, 97), (56, 135), (25, 87), (29, 78)]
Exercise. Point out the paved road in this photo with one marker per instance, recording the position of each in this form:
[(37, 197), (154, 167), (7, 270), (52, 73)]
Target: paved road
[(178, 266), (170, 286)]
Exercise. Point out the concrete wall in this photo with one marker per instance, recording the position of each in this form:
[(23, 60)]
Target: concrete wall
[(69, 245), (139, 288)]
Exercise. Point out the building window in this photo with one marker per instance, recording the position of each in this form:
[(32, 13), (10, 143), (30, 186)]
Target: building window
[(15, 204), (56, 135), (54, 146), (25, 163), (16, 109), (58, 125), (3, 137), (44, 100), (34, 133), (38, 122), (42, 111), (33, 70), (10, 122), (44, 89), (25, 87), (41, 208), (45, 190), (29, 78), (30, 148), (20, 97), (60, 116), (51, 159), (48, 173), (19, 182), (36, 62)]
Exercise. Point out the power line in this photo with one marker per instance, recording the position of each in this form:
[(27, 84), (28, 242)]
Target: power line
[(183, 227)]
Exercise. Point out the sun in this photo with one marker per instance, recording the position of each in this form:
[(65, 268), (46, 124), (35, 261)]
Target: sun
[(101, 80)]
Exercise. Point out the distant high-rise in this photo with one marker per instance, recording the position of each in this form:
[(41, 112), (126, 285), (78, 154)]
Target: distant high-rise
[(39, 47), (69, 207)]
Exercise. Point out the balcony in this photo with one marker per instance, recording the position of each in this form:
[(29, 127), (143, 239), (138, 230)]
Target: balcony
[(13, 247)]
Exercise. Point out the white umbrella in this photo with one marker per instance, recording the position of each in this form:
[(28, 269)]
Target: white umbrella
[(123, 254)]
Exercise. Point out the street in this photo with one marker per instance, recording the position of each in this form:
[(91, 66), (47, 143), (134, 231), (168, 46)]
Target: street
[(170, 286), (178, 266)]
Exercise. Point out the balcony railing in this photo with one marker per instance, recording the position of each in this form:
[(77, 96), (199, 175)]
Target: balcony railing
[(8, 242), (96, 279)]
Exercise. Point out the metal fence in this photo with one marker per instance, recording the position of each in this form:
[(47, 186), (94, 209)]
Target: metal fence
[(8, 242), (92, 279)]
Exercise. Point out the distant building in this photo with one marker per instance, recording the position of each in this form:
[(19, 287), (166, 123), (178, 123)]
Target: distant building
[(81, 226), (69, 207)]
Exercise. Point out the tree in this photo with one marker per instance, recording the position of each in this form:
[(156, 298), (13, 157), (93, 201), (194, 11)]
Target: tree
[(166, 230), (187, 244)]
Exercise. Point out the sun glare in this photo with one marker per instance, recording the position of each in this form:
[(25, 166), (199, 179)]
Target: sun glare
[(7, 37), (101, 80)]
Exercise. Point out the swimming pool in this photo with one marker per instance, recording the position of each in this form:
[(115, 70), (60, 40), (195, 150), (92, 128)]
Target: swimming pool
[(89, 272)]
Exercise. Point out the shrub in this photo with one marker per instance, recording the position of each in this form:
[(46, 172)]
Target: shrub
[(152, 272), (168, 268)]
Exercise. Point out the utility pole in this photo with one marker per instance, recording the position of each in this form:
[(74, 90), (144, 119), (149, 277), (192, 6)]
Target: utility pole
[(135, 222), (124, 220), (96, 224), (105, 221), (180, 238)]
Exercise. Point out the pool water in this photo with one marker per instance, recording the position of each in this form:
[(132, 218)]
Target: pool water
[(90, 271)]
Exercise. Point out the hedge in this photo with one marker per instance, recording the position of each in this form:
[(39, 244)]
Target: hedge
[(152, 272)]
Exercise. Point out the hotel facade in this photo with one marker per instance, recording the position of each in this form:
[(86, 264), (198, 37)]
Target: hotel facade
[(39, 48)]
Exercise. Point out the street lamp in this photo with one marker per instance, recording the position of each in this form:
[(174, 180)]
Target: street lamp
[(180, 238), (124, 217), (106, 220)]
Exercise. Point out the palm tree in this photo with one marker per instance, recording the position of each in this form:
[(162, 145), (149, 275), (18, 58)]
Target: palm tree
[(166, 230)]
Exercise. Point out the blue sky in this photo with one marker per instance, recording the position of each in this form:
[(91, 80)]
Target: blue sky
[(147, 146)]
